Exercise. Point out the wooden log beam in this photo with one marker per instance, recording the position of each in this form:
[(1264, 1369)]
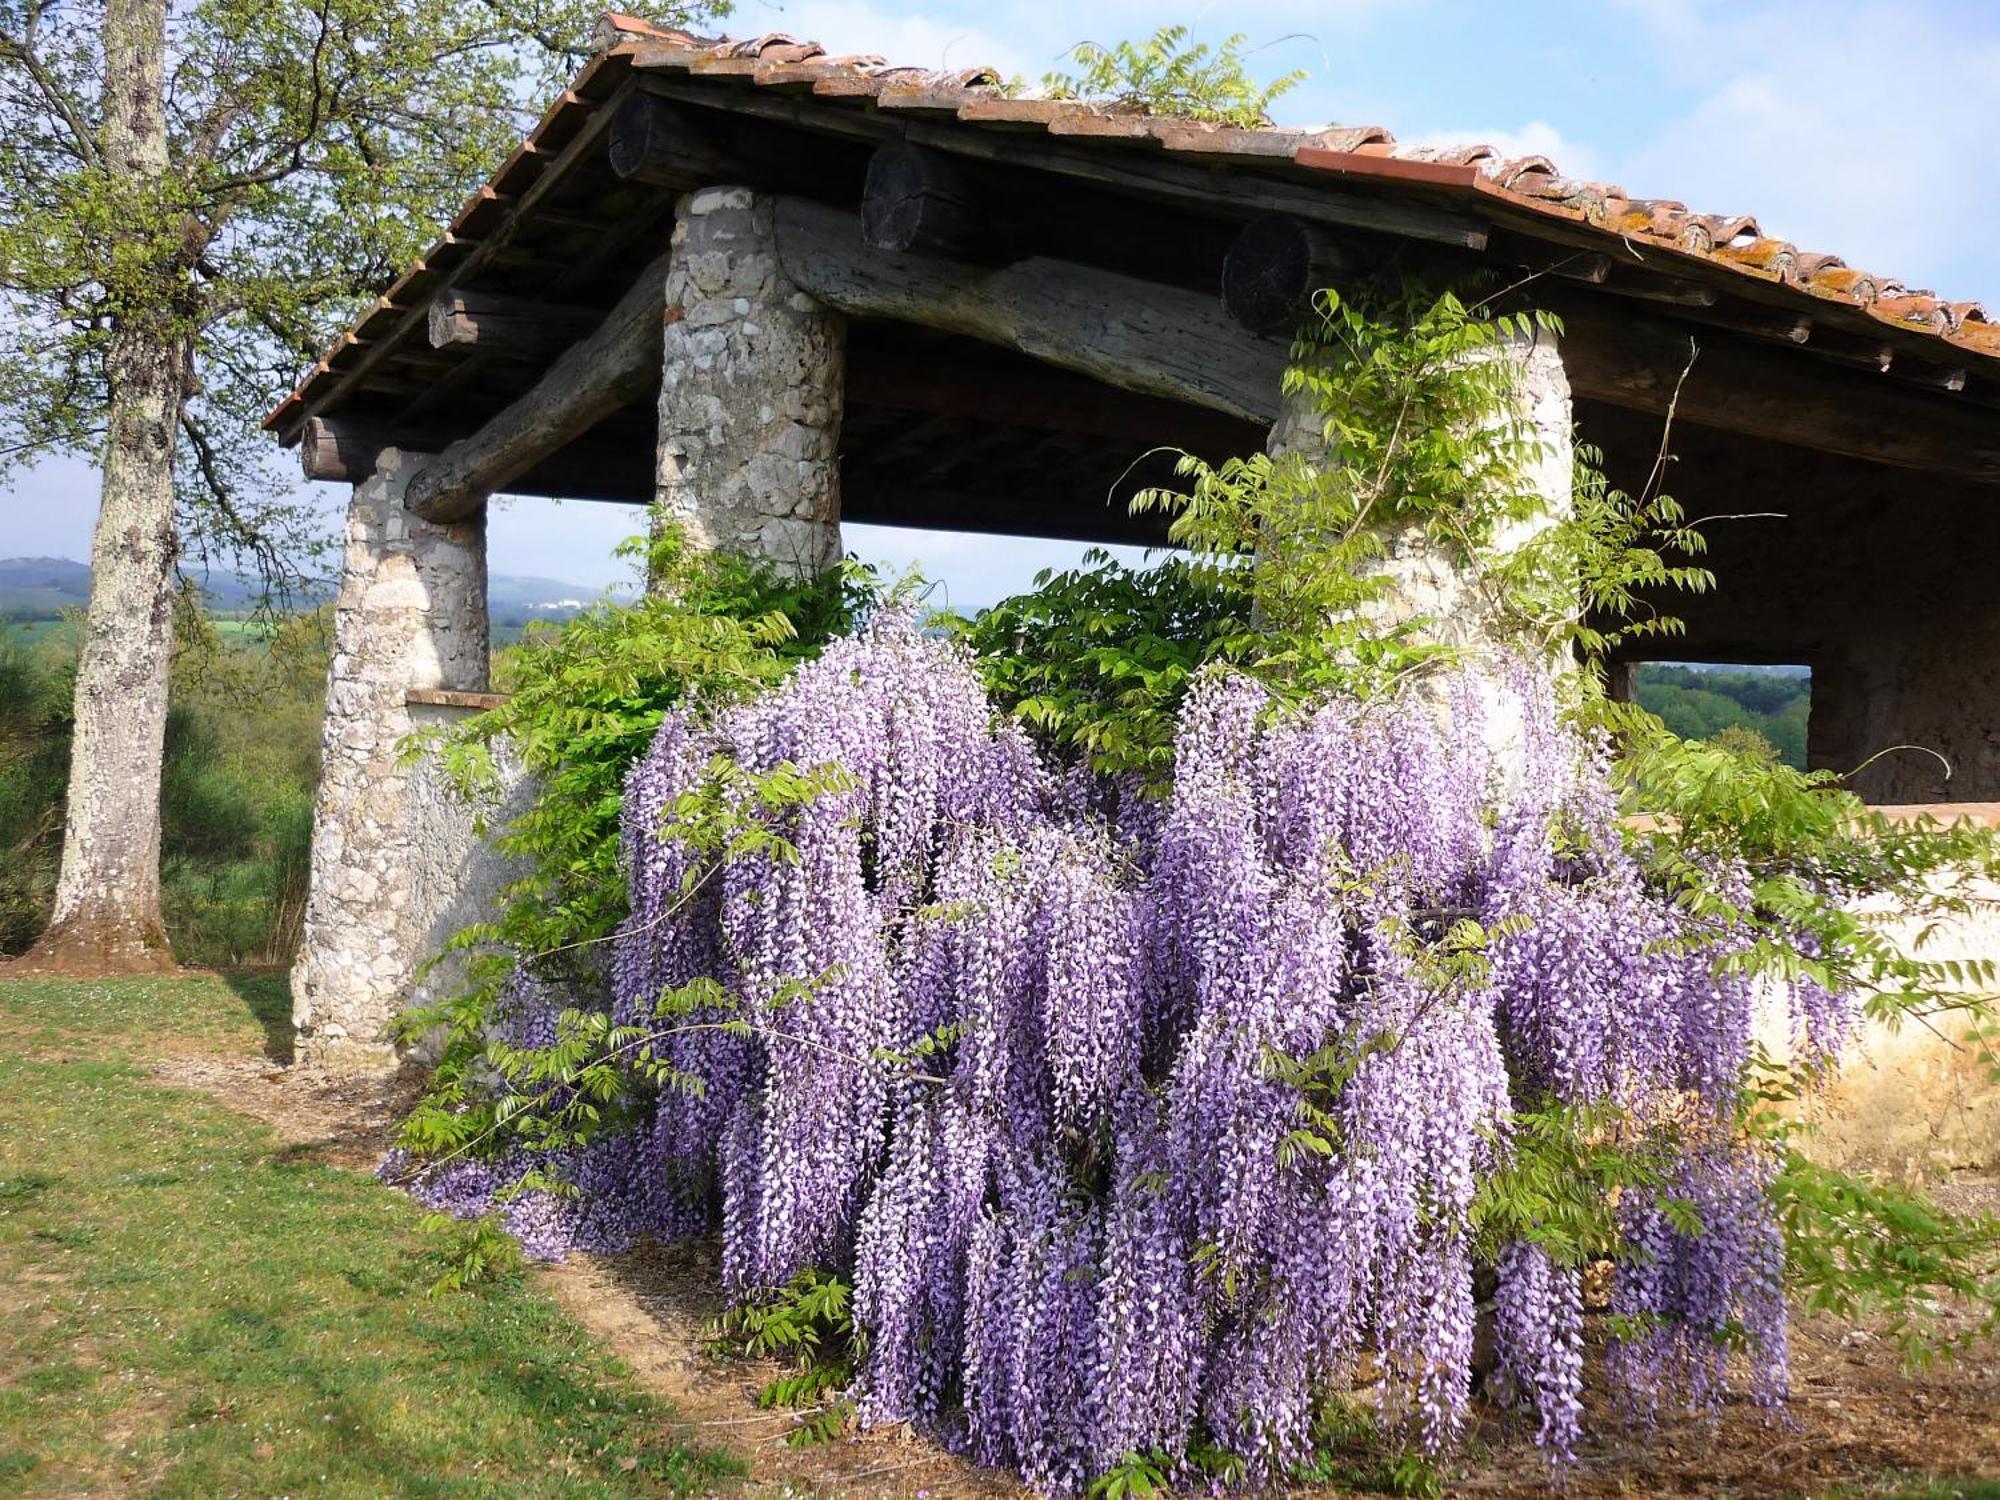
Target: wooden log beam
[(1133, 334), (1162, 341), (1275, 267), (918, 199), (1160, 176), (616, 365), (345, 449), (654, 142), (493, 323), (1637, 362), (599, 466)]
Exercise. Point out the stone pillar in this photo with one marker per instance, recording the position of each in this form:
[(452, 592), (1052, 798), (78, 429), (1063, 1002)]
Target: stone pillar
[(750, 397), (1425, 581), (410, 616)]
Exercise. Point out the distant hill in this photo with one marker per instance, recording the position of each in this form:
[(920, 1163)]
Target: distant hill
[(1700, 701), (37, 588), (40, 588)]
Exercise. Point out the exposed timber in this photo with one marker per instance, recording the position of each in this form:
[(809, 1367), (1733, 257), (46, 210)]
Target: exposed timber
[(493, 323), (654, 142), (598, 466), (1638, 363), (1273, 269), (1133, 334), (919, 199), (616, 365), (1144, 174)]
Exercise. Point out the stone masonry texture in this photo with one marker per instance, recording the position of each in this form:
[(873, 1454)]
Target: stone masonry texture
[(411, 613), (750, 401)]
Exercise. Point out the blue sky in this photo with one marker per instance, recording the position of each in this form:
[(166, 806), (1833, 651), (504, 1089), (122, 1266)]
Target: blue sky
[(1865, 129)]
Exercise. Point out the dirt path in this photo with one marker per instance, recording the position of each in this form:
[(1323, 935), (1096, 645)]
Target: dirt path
[(1857, 1419), (654, 1307)]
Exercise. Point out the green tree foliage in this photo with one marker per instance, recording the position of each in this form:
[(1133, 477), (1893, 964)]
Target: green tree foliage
[(313, 145), (1165, 75), (1702, 705), (241, 762)]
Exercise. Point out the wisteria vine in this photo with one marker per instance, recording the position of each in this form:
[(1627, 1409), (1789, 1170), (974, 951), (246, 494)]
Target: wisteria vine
[(1138, 1123)]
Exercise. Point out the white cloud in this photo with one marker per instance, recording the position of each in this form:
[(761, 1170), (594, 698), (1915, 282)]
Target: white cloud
[(1535, 138), (1855, 128), (904, 37)]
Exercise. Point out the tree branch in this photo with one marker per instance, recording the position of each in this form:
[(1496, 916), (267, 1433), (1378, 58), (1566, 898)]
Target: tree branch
[(22, 49)]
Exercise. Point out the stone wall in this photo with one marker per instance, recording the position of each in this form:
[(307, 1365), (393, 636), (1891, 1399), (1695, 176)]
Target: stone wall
[(1875, 577), (750, 398), (411, 614)]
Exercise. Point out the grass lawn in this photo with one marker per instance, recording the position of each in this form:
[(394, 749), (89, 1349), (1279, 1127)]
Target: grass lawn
[(189, 1307)]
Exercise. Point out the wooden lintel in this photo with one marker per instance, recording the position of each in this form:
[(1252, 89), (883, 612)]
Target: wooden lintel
[(614, 366), (507, 325), (1629, 360), (616, 466), (1137, 335)]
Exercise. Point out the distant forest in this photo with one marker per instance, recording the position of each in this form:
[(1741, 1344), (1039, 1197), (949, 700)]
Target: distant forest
[(1700, 703)]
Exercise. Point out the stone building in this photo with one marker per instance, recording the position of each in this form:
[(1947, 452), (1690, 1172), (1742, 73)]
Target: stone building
[(772, 289)]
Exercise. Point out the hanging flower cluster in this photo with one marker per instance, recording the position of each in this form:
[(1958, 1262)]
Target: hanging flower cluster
[(1137, 1125)]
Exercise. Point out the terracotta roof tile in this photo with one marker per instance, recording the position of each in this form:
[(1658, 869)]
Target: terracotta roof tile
[(1533, 184)]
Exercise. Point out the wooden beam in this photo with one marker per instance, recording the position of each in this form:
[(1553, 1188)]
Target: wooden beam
[(500, 324), (653, 142), (1155, 175), (1162, 341), (1275, 268), (599, 466), (1137, 335), (918, 199), (345, 449), (614, 366), (1637, 362)]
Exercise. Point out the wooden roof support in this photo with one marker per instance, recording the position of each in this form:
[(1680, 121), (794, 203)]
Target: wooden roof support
[(1133, 334), (597, 466), (1637, 362), (615, 366), (499, 324)]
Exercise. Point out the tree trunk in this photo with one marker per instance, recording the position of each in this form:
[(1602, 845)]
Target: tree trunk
[(107, 909)]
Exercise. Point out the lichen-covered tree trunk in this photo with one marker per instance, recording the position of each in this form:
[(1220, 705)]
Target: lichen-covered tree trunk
[(107, 908)]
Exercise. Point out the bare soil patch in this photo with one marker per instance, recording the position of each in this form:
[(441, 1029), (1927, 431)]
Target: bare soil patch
[(344, 1120), (657, 1306)]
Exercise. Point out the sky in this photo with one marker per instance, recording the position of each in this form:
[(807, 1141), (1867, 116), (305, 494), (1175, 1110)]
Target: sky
[(1864, 129)]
